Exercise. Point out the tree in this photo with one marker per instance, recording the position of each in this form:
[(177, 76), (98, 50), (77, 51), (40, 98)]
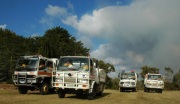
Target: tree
[(176, 81), (11, 46), (58, 42), (108, 68), (148, 69), (169, 72)]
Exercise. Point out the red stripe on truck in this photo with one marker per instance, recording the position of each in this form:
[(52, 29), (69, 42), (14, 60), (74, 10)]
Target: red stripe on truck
[(44, 73)]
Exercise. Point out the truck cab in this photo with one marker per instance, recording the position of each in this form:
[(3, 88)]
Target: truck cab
[(78, 75), (128, 81)]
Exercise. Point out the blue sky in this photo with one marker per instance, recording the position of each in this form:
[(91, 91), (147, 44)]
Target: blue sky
[(24, 16), (125, 33)]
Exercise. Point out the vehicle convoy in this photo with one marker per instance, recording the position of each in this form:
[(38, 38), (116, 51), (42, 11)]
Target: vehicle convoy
[(34, 73), (79, 75), (128, 81), (153, 82)]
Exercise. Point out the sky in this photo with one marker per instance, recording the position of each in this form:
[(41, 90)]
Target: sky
[(125, 33)]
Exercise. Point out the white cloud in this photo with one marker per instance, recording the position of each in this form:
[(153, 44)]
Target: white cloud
[(3, 26), (35, 35), (53, 14), (70, 6), (146, 32), (55, 11)]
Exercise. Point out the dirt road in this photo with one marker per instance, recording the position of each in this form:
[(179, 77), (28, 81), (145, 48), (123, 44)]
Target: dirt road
[(11, 96)]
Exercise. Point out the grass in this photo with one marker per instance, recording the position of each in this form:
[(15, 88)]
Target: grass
[(11, 96)]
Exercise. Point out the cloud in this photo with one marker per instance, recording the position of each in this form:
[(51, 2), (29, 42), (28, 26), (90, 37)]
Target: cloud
[(53, 15), (55, 11), (70, 6), (145, 32), (3, 26)]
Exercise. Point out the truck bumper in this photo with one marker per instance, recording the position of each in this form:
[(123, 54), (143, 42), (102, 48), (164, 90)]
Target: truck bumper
[(73, 91)]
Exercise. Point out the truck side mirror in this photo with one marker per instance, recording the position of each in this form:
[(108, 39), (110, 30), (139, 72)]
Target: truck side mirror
[(137, 75), (56, 64), (119, 75), (97, 63)]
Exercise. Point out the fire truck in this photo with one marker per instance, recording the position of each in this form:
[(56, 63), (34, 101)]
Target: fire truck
[(153, 82), (34, 73), (79, 75), (128, 81)]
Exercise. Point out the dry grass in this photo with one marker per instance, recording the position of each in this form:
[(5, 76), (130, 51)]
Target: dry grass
[(11, 96)]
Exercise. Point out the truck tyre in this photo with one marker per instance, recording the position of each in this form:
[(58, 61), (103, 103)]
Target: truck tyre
[(61, 94), (133, 90), (22, 90), (120, 89), (93, 93), (100, 93), (44, 90), (52, 90), (145, 89), (90, 96), (159, 91)]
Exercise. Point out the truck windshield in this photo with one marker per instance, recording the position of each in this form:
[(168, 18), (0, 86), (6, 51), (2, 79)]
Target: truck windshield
[(73, 64), (128, 76), (154, 77), (29, 64)]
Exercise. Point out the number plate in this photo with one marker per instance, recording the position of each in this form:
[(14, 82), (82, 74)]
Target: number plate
[(70, 85), (22, 81)]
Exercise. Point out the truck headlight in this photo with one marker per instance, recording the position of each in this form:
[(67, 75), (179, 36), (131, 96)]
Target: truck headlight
[(15, 76), (133, 83), (59, 80), (161, 84), (149, 84)]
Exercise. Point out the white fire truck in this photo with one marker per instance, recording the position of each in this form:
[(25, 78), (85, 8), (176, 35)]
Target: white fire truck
[(79, 75), (34, 73), (153, 82), (128, 81)]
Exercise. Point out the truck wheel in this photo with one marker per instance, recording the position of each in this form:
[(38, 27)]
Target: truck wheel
[(61, 94), (90, 96), (52, 90), (135, 89), (159, 91), (100, 93), (22, 90), (120, 89), (145, 90), (44, 90)]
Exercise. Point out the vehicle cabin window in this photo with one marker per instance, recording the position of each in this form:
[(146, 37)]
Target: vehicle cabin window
[(50, 65), (42, 64)]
